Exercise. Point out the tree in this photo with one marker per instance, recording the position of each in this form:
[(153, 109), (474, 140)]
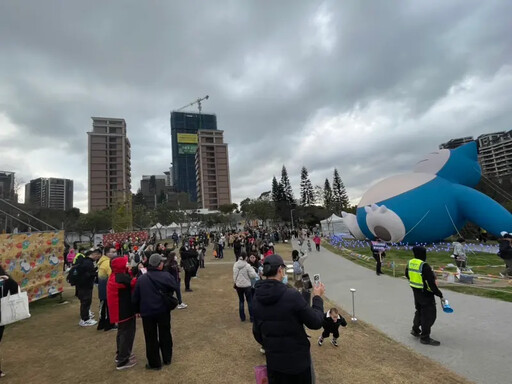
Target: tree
[(327, 195), (287, 188), (93, 222), (318, 193), (259, 209), (340, 201), (306, 189), (275, 189), (228, 208)]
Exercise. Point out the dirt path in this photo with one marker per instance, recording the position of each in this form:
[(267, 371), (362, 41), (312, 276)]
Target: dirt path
[(211, 346)]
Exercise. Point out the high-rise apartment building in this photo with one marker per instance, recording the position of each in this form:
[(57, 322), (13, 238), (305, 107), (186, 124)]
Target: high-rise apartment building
[(455, 143), (7, 190), (212, 170), (50, 193), (495, 154), (184, 128), (109, 163)]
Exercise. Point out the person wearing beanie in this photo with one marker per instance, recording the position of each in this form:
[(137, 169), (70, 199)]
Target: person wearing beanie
[(155, 312), (423, 283)]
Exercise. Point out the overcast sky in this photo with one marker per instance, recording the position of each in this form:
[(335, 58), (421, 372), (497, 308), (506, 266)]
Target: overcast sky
[(367, 87)]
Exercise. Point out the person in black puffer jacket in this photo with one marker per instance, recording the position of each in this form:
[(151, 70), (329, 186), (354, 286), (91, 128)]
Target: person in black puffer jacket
[(280, 314), (505, 252), (84, 286)]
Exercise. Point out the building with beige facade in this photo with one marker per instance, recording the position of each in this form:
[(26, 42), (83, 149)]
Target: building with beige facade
[(495, 154), (109, 163), (212, 170)]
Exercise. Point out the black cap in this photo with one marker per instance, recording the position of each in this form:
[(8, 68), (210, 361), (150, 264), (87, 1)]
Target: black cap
[(274, 261), (91, 251), (419, 252)]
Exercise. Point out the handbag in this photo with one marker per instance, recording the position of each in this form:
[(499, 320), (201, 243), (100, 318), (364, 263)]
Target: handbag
[(261, 374), (13, 308), (168, 297)]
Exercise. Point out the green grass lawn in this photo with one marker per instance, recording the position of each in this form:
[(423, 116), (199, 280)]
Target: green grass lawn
[(480, 262)]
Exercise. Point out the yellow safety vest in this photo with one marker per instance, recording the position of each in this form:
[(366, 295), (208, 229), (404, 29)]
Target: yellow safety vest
[(78, 255), (415, 268)]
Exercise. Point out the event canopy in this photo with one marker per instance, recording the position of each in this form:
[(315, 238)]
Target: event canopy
[(334, 225)]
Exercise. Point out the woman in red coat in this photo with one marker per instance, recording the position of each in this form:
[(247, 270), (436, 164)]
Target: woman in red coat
[(121, 310)]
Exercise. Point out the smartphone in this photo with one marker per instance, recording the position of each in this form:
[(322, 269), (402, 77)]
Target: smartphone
[(306, 282), (316, 280)]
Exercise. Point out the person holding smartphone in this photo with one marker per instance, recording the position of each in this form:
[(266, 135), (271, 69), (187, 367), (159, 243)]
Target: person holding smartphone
[(280, 314)]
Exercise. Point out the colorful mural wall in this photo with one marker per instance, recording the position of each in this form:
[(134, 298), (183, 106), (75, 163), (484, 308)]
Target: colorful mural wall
[(35, 261)]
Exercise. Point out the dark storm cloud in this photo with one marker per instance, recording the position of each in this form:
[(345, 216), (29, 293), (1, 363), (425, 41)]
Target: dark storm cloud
[(374, 84)]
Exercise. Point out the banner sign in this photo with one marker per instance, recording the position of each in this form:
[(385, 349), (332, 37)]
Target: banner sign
[(34, 260), (187, 138), (187, 149)]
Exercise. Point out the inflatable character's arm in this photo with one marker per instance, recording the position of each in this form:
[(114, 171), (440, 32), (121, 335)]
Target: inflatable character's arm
[(483, 211), (350, 221)]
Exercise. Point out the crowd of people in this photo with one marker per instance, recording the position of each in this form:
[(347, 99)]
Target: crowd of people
[(142, 279), (136, 278)]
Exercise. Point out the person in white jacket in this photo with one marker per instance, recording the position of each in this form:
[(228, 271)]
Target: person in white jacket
[(242, 275)]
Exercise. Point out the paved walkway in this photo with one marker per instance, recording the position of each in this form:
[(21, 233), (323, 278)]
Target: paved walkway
[(476, 340)]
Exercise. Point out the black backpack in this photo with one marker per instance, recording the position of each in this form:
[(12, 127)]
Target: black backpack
[(75, 272)]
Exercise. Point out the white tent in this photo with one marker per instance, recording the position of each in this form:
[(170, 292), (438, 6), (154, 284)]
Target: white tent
[(334, 225)]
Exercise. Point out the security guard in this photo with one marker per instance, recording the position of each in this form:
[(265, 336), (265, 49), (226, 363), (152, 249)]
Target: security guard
[(423, 283)]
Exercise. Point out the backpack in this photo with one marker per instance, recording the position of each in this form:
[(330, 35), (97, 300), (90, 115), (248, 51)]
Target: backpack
[(297, 269), (74, 273)]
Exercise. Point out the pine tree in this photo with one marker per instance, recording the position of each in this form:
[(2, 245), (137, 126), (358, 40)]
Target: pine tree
[(339, 194), (287, 188), (306, 189), (310, 192), (318, 195), (336, 191), (275, 190), (327, 195), (345, 202)]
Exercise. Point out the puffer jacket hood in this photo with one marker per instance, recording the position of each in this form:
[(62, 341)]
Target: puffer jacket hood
[(240, 264), (118, 264), (269, 291)]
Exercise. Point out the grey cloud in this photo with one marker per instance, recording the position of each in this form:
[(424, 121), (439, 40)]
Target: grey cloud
[(269, 67)]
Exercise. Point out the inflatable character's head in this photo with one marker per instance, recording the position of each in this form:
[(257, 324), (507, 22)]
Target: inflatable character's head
[(457, 165)]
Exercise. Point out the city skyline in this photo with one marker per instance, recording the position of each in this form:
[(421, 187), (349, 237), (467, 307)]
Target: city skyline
[(364, 88)]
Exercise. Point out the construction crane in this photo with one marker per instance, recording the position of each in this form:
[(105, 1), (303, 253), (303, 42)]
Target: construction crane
[(198, 102)]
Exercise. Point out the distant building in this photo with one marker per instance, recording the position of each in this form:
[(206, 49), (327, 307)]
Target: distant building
[(7, 190), (50, 193), (153, 189), (109, 163), (212, 170), (495, 154), (455, 143), (169, 182), (184, 128)]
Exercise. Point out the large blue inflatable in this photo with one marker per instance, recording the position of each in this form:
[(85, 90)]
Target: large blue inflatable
[(429, 204)]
